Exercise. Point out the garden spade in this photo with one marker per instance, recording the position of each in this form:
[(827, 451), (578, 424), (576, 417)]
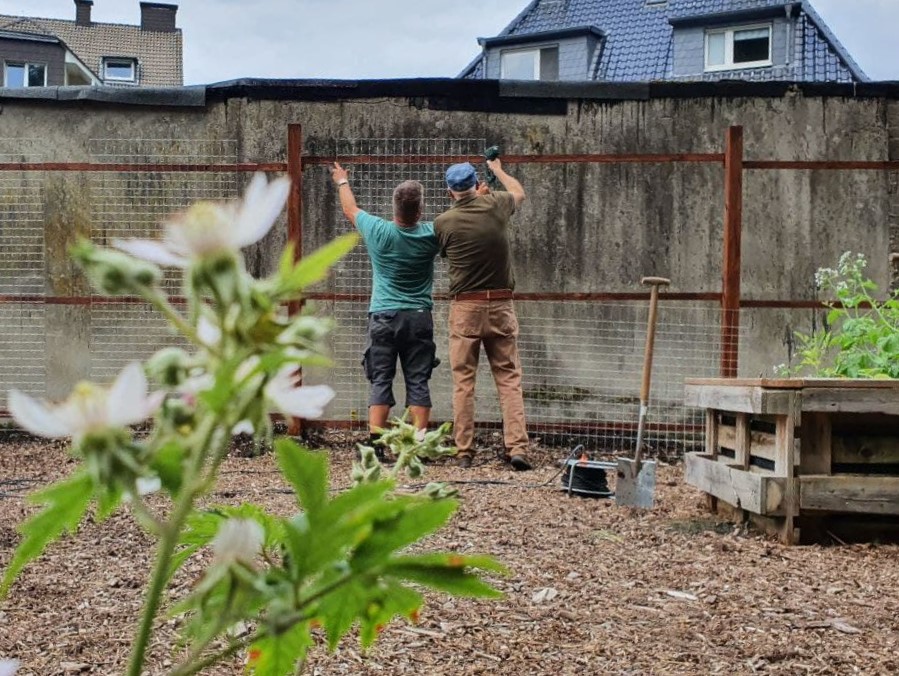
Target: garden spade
[(636, 482)]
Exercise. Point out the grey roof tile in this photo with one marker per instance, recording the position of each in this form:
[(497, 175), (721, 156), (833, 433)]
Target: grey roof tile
[(639, 37)]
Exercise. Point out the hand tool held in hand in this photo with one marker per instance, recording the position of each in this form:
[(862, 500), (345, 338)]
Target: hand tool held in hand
[(491, 153), (636, 481)]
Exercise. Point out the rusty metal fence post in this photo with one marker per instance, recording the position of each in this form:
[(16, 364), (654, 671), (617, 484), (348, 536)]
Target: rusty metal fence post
[(295, 228), (731, 269)]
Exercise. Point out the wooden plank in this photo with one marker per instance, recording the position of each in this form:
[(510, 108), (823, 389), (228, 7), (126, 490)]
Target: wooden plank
[(727, 436), (846, 400), (784, 466), (815, 456), (865, 450), (712, 441), (739, 399), (735, 486), (798, 383), (850, 493), (742, 441)]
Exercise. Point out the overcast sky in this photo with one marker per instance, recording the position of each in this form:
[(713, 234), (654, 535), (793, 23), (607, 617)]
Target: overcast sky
[(354, 39)]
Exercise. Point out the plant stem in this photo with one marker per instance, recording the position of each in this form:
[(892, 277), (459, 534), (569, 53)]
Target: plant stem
[(167, 543)]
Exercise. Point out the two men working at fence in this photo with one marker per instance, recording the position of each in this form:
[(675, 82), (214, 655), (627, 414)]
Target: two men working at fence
[(473, 236)]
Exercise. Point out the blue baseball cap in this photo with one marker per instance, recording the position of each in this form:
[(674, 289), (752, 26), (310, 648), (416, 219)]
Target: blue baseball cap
[(461, 177)]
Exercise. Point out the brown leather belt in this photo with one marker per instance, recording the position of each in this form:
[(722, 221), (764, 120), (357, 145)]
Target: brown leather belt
[(492, 294)]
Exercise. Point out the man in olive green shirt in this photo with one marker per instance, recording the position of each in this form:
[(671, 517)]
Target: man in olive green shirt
[(473, 235)]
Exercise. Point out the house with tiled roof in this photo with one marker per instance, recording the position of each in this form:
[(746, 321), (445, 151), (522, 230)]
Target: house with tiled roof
[(651, 40), (38, 52)]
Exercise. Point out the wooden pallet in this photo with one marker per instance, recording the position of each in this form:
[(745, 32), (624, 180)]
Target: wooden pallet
[(801, 458)]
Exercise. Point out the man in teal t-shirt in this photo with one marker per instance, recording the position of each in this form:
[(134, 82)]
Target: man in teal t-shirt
[(400, 325)]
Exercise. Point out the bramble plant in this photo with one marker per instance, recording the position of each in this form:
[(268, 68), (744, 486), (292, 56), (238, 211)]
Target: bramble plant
[(339, 561), (861, 336)]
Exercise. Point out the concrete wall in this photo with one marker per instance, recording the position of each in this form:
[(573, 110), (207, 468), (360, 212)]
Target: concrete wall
[(585, 228)]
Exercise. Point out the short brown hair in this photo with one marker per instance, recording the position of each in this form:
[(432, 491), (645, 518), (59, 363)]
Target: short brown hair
[(407, 202)]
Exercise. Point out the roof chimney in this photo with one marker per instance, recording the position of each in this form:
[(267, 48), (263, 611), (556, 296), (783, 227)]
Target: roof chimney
[(83, 12), (158, 17)]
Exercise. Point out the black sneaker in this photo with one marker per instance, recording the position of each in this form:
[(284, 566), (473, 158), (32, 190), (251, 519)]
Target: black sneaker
[(463, 461), (520, 463)]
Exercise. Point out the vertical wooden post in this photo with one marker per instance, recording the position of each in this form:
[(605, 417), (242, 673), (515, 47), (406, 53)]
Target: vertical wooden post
[(785, 468), (295, 228), (733, 234), (712, 449)]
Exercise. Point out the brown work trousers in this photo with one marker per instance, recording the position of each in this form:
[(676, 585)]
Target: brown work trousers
[(492, 323)]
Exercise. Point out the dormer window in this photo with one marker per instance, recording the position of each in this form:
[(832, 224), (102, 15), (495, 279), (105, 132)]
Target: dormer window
[(735, 48), (120, 70), (530, 64)]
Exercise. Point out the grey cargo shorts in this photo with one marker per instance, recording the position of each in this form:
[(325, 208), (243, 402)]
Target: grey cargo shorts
[(407, 335)]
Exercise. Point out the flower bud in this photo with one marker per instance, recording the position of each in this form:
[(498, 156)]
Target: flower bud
[(238, 541), (115, 273), (169, 366)]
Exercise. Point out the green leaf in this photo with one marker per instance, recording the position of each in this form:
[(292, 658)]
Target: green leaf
[(108, 500), (446, 572), (394, 600), (280, 655), (66, 502), (169, 465), (417, 519), (314, 267), (307, 472)]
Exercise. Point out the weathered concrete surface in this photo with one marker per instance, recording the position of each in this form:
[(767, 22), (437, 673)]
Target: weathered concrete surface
[(584, 228)]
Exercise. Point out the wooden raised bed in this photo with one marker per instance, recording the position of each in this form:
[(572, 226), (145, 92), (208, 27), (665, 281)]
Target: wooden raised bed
[(809, 460)]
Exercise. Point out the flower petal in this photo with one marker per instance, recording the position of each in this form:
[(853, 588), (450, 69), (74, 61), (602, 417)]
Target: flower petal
[(243, 427), (260, 209), (301, 402), (147, 485), (37, 417), (127, 402), (238, 540), (149, 250), (208, 333)]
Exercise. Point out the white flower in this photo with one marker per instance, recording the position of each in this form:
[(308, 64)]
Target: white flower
[(208, 332), (298, 402), (148, 485), (238, 540), (90, 408), (8, 667), (208, 228)]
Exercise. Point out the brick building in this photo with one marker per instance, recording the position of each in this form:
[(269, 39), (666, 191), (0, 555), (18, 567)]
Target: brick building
[(39, 52)]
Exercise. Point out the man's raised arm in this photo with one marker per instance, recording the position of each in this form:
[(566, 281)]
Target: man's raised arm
[(347, 199), (510, 184)]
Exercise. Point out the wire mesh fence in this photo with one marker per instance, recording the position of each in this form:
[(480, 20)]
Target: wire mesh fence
[(22, 271), (137, 204), (582, 360)]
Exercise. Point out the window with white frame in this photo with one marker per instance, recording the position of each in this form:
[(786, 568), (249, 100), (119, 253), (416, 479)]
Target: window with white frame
[(119, 70), (530, 64), (24, 74), (732, 48)]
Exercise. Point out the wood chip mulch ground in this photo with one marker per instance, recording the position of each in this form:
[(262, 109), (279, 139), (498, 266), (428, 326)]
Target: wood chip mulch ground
[(593, 589)]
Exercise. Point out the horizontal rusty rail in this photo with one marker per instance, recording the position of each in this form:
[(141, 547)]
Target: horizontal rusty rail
[(144, 168), (832, 165), (707, 158)]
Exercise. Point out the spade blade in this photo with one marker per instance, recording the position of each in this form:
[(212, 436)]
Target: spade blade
[(635, 489)]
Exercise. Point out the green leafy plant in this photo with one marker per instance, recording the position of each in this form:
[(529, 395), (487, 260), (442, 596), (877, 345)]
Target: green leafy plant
[(340, 561), (861, 335)]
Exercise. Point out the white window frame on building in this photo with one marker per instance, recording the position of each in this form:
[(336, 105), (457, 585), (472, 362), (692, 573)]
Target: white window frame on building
[(120, 61), (26, 66), (537, 53), (730, 36)]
